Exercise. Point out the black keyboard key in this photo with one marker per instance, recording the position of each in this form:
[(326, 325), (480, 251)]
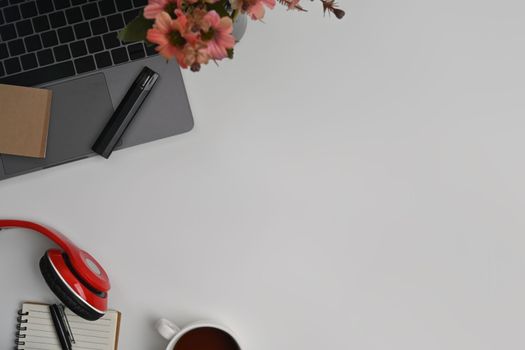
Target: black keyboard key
[(49, 38), (150, 50), (123, 5), (3, 51), (45, 57), (29, 61), (66, 35), (28, 9), (44, 6), (24, 28), (136, 51), (61, 53), (130, 15), (57, 19), (2, 71), (119, 55), (90, 11), (99, 26), (78, 2), (12, 14), (85, 64), (95, 44), (140, 3), (82, 30), (103, 59), (107, 7), (3, 3), (16, 47), (78, 48), (2, 21), (12, 65), (41, 75), (7, 32), (33, 43), (111, 40), (61, 4), (41, 24), (74, 15), (115, 22)]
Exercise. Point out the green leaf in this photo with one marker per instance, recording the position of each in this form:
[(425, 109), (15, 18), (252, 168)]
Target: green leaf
[(230, 53), (136, 30), (220, 8)]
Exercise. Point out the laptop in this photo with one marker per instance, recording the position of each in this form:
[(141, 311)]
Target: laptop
[(71, 47)]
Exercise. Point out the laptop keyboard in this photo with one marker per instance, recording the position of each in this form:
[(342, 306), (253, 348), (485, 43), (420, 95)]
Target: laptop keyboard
[(46, 40)]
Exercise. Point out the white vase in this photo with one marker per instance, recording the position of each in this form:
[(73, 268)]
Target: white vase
[(239, 26)]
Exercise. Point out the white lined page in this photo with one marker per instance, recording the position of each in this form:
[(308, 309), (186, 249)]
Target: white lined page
[(89, 335)]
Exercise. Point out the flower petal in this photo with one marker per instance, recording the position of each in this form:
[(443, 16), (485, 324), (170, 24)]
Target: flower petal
[(163, 22), (156, 36), (269, 3), (213, 18), (256, 11)]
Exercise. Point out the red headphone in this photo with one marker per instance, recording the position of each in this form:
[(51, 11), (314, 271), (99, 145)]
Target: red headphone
[(75, 277)]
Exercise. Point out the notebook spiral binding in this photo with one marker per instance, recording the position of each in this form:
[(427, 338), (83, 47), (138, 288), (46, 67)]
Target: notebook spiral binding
[(20, 328)]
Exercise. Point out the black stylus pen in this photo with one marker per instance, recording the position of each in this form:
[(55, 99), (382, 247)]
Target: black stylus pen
[(125, 112), (63, 317), (60, 327)]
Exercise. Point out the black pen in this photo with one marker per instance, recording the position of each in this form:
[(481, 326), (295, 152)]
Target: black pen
[(60, 327), (69, 332), (126, 110)]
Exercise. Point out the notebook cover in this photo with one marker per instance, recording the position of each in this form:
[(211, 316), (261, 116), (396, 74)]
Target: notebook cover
[(24, 120)]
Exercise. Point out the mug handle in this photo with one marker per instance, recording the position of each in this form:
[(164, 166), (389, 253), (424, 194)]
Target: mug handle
[(166, 328)]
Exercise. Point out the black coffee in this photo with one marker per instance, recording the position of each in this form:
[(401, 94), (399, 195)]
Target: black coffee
[(206, 338)]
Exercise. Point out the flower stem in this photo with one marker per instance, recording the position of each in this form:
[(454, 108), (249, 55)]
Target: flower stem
[(234, 15)]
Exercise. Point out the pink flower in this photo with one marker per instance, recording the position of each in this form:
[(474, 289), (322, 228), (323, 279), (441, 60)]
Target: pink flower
[(195, 54), (155, 7), (220, 35), (197, 21), (170, 36), (293, 4), (254, 8), (256, 11)]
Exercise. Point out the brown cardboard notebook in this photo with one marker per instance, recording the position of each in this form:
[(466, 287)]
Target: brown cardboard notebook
[(24, 120)]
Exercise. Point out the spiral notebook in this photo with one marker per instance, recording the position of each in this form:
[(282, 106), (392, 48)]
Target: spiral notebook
[(35, 330)]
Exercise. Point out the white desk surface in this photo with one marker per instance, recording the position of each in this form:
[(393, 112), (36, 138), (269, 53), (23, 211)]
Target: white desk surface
[(348, 185)]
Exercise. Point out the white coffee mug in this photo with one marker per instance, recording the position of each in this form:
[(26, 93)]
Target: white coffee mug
[(173, 333)]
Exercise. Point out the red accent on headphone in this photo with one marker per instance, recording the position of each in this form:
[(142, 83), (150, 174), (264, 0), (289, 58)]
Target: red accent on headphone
[(94, 276), (94, 300)]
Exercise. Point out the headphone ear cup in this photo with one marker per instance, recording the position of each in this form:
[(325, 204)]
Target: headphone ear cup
[(61, 290)]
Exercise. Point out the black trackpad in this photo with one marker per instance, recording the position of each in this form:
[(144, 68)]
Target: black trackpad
[(80, 108)]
